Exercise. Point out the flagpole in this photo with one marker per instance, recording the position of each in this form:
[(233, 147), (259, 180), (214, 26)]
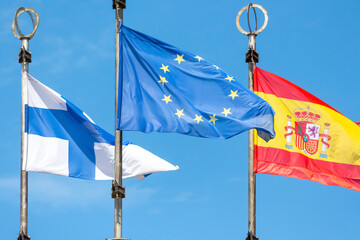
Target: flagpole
[(251, 57), (118, 191), (24, 59)]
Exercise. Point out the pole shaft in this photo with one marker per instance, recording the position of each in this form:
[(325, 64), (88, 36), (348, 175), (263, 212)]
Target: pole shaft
[(252, 178), (118, 133), (23, 173)]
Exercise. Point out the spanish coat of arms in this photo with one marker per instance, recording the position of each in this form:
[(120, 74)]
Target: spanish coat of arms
[(307, 132)]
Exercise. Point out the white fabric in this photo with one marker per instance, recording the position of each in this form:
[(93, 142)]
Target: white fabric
[(87, 116), (139, 162), (46, 154), (40, 96), (104, 154)]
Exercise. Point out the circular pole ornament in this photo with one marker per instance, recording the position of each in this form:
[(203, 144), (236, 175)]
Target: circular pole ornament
[(35, 23), (253, 6)]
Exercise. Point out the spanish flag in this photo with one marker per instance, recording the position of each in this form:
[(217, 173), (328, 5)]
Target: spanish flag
[(313, 140)]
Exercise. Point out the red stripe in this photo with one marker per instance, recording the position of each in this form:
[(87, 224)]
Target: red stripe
[(270, 83), (281, 162), (358, 123)]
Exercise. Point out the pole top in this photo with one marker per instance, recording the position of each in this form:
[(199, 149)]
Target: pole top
[(30, 11), (253, 6)]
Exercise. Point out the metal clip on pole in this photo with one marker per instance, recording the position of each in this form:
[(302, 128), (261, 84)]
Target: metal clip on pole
[(251, 57), (24, 55), (117, 190), (251, 236), (24, 59), (22, 236), (119, 4)]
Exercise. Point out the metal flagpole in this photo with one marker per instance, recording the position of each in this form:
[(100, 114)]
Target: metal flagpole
[(251, 57), (24, 59), (118, 191)]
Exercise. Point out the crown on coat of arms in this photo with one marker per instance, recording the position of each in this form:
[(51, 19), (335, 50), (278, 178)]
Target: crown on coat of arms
[(307, 114)]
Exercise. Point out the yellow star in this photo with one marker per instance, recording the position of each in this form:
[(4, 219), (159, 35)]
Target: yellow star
[(233, 94), (198, 58), (162, 80), (229, 78), (198, 118), (217, 68), (179, 113), (165, 68), (213, 119), (179, 58), (167, 99), (226, 111)]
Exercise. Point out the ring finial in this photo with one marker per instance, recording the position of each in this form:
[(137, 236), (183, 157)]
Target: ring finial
[(35, 23), (248, 8)]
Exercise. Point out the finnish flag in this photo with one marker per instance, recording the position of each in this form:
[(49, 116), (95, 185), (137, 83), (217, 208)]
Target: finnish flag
[(61, 139)]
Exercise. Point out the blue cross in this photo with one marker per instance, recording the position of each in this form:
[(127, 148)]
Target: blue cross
[(73, 126)]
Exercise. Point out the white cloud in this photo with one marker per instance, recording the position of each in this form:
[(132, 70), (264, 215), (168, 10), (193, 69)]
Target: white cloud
[(62, 55), (155, 211), (7, 74), (56, 191), (6, 19), (9, 189), (182, 197), (136, 196), (73, 50), (236, 179), (60, 192)]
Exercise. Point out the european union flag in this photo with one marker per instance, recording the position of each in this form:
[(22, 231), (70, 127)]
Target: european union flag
[(165, 89)]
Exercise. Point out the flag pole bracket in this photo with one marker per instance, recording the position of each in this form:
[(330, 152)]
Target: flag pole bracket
[(117, 190), (119, 4), (22, 236), (252, 56), (117, 239), (251, 236), (24, 55)]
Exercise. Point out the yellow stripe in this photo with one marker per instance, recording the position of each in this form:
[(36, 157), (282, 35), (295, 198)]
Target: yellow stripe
[(345, 134)]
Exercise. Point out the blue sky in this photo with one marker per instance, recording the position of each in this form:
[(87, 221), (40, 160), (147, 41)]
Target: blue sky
[(314, 44)]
